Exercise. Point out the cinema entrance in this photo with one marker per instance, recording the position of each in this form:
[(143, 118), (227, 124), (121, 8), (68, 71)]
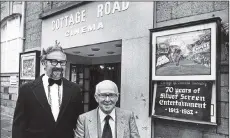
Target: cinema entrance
[(94, 63)]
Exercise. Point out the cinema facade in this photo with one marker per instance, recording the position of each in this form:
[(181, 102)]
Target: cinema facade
[(106, 40), (112, 40)]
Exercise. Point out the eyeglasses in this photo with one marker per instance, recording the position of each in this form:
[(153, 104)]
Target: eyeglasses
[(111, 95), (54, 62)]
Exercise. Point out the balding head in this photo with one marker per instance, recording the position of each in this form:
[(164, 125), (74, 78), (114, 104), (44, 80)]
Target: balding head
[(106, 85), (106, 95)]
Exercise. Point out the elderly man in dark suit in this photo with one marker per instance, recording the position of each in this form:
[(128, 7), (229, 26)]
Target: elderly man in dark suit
[(48, 107), (106, 121)]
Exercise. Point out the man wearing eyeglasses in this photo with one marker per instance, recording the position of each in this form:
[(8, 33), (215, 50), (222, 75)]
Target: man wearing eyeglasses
[(49, 106), (106, 121)]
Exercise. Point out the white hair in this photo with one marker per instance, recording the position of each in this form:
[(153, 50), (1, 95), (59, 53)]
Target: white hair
[(51, 49), (106, 82)]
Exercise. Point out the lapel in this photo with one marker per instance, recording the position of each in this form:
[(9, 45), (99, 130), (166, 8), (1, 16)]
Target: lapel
[(119, 123), (39, 92), (94, 125), (67, 93)]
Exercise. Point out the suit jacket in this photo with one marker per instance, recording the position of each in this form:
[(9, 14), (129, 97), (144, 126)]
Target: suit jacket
[(33, 117), (89, 126)]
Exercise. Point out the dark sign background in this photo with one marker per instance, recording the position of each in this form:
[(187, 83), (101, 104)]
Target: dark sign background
[(199, 92)]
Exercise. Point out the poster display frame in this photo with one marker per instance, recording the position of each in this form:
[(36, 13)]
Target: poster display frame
[(183, 45), (208, 30), (29, 66)]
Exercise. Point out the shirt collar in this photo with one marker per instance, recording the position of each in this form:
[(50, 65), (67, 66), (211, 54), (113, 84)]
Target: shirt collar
[(45, 80), (103, 115)]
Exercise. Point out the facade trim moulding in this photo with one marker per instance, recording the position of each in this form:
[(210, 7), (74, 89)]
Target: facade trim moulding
[(60, 9), (8, 74), (10, 17)]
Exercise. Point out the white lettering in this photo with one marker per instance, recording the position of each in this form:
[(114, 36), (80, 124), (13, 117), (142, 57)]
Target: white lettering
[(67, 33), (66, 21), (116, 6), (92, 28), (99, 10), (161, 102), (201, 48), (100, 26), (53, 25), (82, 15), (71, 21), (107, 8), (57, 24), (125, 6), (77, 31), (78, 17), (71, 33), (84, 29), (61, 19), (192, 98)]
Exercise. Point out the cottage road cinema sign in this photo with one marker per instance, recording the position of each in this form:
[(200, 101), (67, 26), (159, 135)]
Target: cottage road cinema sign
[(79, 17)]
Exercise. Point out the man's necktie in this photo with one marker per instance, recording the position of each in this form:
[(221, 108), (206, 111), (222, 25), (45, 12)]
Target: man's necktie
[(107, 132), (52, 81)]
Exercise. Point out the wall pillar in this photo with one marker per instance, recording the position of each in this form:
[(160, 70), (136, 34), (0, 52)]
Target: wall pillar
[(135, 81)]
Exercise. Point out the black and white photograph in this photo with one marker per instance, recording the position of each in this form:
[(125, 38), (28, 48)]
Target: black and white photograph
[(114, 69)]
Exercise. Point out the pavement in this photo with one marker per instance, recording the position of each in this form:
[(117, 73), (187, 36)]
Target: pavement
[(6, 125)]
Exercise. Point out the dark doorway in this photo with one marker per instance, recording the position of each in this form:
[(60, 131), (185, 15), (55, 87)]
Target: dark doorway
[(88, 76), (110, 71)]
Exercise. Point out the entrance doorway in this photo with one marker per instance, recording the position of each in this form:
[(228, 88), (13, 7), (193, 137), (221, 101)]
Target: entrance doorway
[(102, 72), (88, 76), (88, 70)]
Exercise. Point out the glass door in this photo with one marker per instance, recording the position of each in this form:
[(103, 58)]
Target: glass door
[(80, 74)]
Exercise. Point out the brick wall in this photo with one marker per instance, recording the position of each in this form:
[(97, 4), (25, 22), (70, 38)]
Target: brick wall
[(169, 13), (8, 92), (33, 25), (7, 8), (8, 97), (173, 9), (4, 9)]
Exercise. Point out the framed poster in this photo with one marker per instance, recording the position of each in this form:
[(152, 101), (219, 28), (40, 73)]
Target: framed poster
[(185, 51), (29, 66), (184, 65), (28, 63)]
